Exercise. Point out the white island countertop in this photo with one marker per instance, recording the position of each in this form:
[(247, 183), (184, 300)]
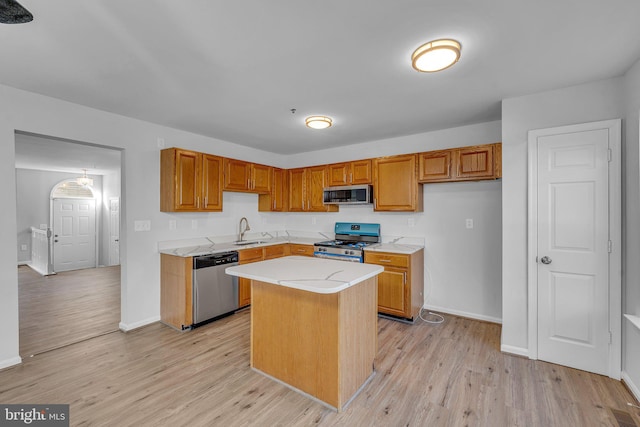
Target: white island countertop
[(318, 275)]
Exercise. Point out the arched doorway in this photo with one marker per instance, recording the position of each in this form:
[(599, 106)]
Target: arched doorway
[(73, 217)]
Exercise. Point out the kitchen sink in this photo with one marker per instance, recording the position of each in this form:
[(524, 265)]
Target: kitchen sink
[(248, 242)]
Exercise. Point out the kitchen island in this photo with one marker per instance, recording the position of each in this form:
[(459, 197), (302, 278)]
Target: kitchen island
[(314, 324)]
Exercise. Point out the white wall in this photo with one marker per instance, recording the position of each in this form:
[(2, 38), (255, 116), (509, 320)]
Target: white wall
[(577, 104), (631, 232), (462, 267), (41, 115)]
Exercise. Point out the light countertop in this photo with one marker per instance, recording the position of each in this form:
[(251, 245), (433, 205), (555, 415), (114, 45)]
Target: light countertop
[(318, 275), (214, 248), (399, 248)]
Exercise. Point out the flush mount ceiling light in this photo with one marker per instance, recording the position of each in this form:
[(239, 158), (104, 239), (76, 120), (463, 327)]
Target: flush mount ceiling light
[(318, 122), (84, 180), (11, 12), (436, 55)]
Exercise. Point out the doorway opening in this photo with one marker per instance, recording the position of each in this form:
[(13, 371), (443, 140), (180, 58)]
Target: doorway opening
[(82, 299)]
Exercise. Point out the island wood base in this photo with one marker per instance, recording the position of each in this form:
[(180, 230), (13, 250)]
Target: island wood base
[(321, 344)]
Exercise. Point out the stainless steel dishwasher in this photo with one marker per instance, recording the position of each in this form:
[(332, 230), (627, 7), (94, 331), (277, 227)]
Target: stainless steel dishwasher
[(215, 293)]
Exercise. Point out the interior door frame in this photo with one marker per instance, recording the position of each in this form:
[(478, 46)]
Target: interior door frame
[(615, 235)]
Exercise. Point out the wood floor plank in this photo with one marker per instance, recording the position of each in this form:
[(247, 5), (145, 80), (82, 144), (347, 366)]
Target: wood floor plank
[(65, 308), (449, 374)]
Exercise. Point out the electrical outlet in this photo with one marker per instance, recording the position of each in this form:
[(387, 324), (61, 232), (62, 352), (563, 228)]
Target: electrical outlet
[(23, 247), (469, 222), (313, 220), (142, 225), (172, 224), (411, 222), (194, 224)]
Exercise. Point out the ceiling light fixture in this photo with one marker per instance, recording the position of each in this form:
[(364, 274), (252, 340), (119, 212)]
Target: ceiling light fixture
[(12, 12), (84, 180), (436, 55), (318, 122)]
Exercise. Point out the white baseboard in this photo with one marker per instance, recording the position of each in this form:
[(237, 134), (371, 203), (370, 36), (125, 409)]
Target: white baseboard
[(35, 268), (23, 263), (10, 362), (518, 351), (126, 327), (463, 314), (630, 384)]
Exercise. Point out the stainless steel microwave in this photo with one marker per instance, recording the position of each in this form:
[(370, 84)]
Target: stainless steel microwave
[(348, 195)]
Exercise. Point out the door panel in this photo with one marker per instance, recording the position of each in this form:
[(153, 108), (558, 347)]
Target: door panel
[(74, 228), (573, 235)]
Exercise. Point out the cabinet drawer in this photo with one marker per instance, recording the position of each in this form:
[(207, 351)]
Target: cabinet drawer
[(250, 255), (305, 250), (275, 251), (385, 258)]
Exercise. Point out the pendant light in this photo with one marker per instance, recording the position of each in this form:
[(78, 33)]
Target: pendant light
[(84, 180)]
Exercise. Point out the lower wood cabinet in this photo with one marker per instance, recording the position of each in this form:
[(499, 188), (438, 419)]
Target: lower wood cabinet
[(176, 303), (298, 249), (401, 284), (246, 256)]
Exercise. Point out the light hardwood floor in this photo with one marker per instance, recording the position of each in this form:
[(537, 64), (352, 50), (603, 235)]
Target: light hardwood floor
[(451, 374), (66, 307)]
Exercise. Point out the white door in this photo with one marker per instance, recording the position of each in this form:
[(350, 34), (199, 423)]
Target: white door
[(114, 231), (573, 248), (74, 234)]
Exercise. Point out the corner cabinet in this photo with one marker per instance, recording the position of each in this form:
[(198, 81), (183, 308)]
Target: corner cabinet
[(306, 187), (190, 181), (474, 163), (276, 200), (401, 284), (395, 184)]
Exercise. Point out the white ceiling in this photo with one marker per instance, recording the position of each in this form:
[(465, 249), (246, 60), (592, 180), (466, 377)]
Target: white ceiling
[(233, 70), (40, 153)]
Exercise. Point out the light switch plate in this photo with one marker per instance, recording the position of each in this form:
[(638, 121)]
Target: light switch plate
[(142, 225), (469, 222)]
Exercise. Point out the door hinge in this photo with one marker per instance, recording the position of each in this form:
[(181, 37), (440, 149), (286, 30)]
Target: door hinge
[(610, 246), (610, 337), (609, 154)]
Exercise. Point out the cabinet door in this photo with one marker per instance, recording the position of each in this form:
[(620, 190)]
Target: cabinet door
[(297, 190), (187, 180), (261, 178), (338, 174), (211, 183), (247, 256), (237, 175), (316, 179), (361, 172), (395, 184), (474, 162), (276, 200), (434, 166), (275, 251), (392, 298)]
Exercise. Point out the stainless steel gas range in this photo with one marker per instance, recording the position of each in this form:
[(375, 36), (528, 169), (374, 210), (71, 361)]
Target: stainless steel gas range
[(350, 240)]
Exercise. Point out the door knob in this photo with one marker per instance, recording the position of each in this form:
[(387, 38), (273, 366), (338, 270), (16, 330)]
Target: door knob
[(546, 260)]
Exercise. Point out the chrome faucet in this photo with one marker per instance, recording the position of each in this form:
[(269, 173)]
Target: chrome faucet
[(247, 228)]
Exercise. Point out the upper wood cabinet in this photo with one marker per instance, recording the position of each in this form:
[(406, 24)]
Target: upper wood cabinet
[(306, 186), (190, 181), (349, 173), (395, 184), (434, 166), (247, 177), (276, 200), (461, 164)]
